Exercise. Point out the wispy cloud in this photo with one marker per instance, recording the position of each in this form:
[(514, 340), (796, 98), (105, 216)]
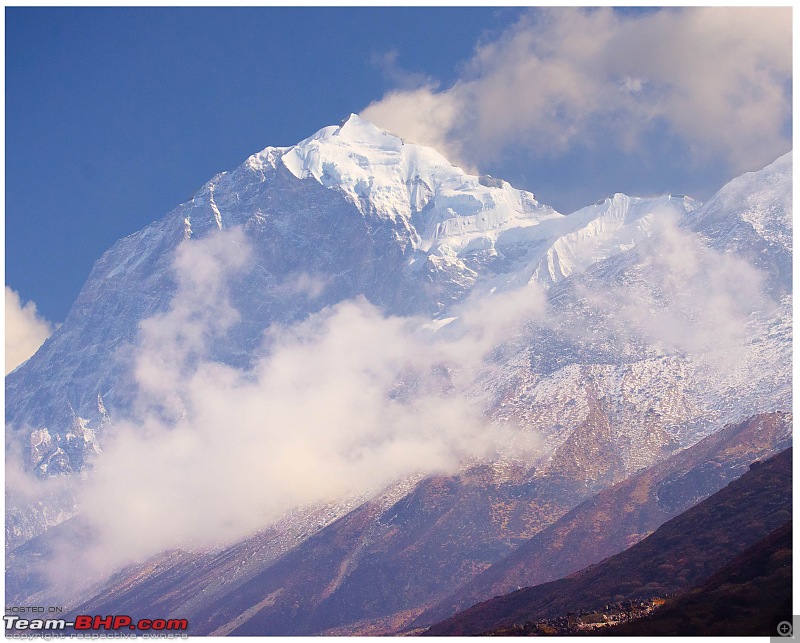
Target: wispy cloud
[(682, 297), (26, 330), (717, 78), (339, 405), (389, 65)]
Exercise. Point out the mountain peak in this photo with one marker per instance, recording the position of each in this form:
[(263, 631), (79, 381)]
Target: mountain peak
[(389, 178), (356, 131)]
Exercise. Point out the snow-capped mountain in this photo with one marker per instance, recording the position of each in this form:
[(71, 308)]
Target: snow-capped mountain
[(752, 217), (659, 319), (352, 205)]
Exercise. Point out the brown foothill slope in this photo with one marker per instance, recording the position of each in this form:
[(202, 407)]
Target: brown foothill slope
[(744, 598), (376, 562), (620, 516), (681, 554), (399, 559)]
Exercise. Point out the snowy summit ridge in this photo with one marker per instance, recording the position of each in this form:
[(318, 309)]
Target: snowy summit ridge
[(381, 173), (450, 213)]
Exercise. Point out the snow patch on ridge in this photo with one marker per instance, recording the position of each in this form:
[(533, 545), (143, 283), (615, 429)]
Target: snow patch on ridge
[(214, 208)]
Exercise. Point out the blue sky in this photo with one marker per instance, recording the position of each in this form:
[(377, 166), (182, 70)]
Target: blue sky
[(114, 116)]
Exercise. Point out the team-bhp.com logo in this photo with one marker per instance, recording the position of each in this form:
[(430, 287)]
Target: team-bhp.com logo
[(85, 622)]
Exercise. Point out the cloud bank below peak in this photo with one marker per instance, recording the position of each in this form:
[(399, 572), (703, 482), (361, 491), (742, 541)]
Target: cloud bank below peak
[(340, 405), (716, 79)]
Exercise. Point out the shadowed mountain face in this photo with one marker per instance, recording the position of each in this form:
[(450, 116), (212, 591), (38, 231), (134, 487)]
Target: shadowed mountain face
[(744, 598), (620, 516), (681, 554)]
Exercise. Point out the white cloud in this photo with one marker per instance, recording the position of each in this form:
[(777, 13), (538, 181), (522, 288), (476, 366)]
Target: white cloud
[(213, 453), (25, 330), (717, 78), (305, 285), (424, 116), (199, 312), (388, 64), (682, 297)]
